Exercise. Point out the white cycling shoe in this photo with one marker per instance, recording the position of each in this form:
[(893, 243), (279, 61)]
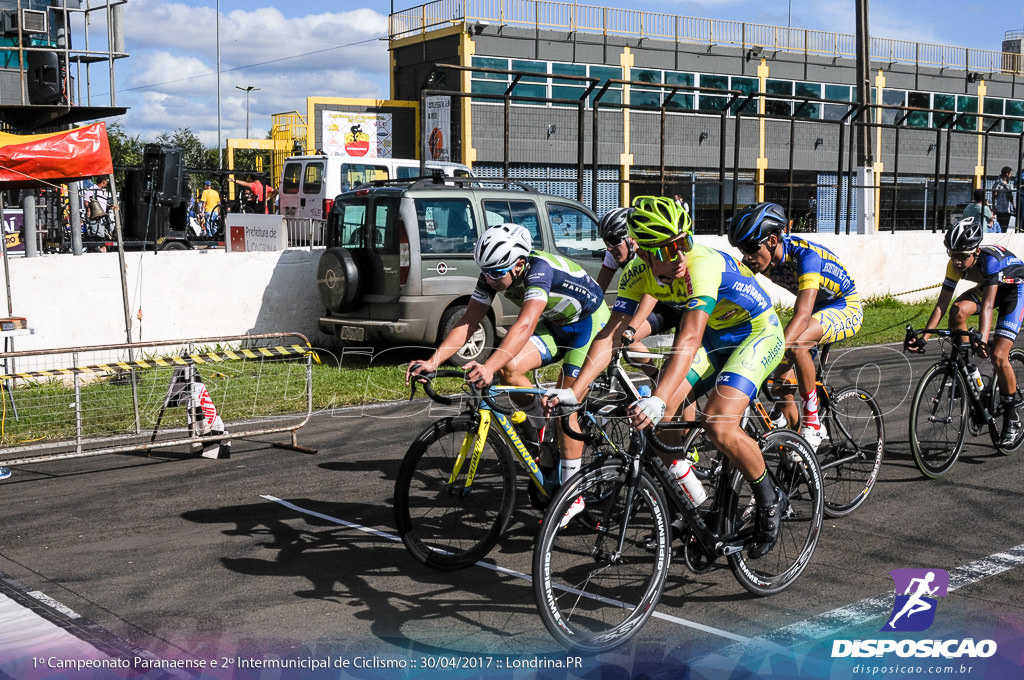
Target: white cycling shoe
[(814, 436), (576, 508)]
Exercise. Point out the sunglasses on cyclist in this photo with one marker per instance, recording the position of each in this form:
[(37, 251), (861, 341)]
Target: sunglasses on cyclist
[(752, 248), (498, 273), (670, 251), (959, 256), (614, 241)]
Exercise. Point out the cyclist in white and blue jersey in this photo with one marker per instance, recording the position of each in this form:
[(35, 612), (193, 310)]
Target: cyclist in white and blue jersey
[(562, 310), (1000, 278)]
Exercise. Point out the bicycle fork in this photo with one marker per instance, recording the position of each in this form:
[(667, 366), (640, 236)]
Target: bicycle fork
[(473, 441)]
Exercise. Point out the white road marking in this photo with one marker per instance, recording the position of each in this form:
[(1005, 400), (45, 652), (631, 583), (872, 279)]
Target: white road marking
[(742, 640)]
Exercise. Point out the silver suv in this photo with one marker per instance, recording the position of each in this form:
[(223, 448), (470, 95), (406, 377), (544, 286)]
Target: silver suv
[(399, 262)]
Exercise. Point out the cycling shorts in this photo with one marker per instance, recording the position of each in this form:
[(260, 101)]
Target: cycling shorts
[(840, 319), (664, 318), (1009, 304), (570, 342), (739, 359)]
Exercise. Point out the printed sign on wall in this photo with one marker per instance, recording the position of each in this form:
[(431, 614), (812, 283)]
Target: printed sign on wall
[(439, 128), (357, 135)]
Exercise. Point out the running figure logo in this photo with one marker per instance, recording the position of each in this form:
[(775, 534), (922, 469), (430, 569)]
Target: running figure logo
[(916, 590)]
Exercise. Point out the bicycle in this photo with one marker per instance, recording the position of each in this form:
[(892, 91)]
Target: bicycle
[(455, 491), (851, 453), (598, 577), (948, 397)]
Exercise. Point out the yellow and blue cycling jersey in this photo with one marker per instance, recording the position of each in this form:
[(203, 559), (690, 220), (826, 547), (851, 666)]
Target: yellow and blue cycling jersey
[(810, 266), (743, 341)]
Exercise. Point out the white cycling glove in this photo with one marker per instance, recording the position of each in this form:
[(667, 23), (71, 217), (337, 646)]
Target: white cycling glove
[(652, 407), (565, 396)]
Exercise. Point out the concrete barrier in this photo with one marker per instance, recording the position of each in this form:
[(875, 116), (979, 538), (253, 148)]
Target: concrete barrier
[(72, 301)]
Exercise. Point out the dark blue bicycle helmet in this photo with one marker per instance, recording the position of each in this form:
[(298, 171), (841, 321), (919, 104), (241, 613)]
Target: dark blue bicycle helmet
[(753, 224)]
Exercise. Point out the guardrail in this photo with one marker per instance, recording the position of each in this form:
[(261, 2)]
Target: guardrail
[(84, 401), (306, 232)]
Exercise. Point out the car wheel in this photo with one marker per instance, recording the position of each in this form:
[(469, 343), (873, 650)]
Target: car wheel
[(480, 343), (173, 245), (337, 279)]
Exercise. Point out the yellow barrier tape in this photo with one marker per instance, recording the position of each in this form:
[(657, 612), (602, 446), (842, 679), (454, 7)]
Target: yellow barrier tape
[(166, 362), (917, 290)]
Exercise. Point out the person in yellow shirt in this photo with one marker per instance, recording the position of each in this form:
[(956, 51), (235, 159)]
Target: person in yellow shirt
[(209, 201)]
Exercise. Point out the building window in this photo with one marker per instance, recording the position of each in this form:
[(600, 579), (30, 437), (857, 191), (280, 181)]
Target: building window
[(919, 100), (812, 111), (710, 102)]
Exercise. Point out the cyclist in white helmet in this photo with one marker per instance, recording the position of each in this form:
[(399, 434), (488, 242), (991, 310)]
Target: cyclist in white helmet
[(562, 310)]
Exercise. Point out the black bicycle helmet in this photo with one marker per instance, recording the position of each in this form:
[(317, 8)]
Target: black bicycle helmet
[(613, 225), (755, 223), (964, 236)]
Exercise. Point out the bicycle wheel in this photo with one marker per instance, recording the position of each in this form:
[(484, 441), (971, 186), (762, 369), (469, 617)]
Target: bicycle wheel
[(996, 407), (446, 525), (851, 456), (938, 419), (590, 598), (794, 468)]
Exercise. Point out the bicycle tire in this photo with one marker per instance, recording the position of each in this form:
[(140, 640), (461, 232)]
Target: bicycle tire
[(1016, 359), (936, 444), (588, 602), (446, 530), (794, 467), (851, 457)]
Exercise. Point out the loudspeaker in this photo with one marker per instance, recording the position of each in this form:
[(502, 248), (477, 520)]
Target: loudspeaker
[(43, 78), (164, 168)]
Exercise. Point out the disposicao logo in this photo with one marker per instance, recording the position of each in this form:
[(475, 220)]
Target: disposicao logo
[(914, 609)]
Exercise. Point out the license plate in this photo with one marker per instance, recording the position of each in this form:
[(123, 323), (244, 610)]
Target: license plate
[(352, 333)]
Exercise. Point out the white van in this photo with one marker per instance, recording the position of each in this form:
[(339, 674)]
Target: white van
[(310, 183)]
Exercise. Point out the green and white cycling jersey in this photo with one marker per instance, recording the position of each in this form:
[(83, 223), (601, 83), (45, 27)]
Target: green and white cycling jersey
[(569, 292)]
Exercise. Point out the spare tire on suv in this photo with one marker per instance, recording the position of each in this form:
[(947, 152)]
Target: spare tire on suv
[(337, 280)]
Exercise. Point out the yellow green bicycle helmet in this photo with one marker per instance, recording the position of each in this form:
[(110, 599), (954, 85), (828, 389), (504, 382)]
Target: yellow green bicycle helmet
[(657, 219)]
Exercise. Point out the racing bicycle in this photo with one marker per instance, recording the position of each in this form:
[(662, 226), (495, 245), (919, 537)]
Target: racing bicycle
[(455, 491), (598, 577), (948, 403)]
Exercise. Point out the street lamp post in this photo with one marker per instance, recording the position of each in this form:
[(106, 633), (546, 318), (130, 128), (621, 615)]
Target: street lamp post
[(247, 90)]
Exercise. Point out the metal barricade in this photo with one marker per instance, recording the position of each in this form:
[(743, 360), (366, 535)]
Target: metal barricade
[(306, 232), (84, 401)]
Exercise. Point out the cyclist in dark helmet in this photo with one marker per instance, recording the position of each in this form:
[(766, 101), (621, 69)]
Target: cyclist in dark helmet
[(827, 306), (652, 317), (1000, 278), (726, 343)]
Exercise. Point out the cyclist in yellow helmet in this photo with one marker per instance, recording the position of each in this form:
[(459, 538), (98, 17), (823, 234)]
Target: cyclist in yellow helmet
[(728, 338)]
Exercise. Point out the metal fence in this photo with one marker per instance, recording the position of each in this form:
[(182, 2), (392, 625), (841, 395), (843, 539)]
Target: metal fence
[(82, 401)]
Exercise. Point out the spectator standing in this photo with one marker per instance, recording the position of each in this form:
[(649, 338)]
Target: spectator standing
[(980, 211), (209, 201), (1002, 197), (97, 221)]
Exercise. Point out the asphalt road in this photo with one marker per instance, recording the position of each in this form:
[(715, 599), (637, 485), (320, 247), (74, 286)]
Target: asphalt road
[(278, 554)]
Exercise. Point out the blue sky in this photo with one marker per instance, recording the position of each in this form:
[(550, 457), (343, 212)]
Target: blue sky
[(299, 48)]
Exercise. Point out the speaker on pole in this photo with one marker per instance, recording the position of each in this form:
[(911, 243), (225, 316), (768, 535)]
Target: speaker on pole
[(163, 168), (43, 78)]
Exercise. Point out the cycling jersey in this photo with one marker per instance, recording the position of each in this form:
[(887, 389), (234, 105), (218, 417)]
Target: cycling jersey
[(570, 294), (743, 341), (995, 266), (574, 310), (809, 266)]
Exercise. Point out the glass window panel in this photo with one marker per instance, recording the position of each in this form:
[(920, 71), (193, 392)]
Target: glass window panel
[(446, 225), (612, 96), (968, 105), (574, 231), (485, 87), (892, 98), (707, 102), (642, 75), (567, 91), (569, 69), (489, 62), (679, 101), (532, 67), (778, 107), (942, 102), (994, 105), (838, 93), (919, 100), (808, 90), (673, 78), (779, 87), (526, 90), (1014, 108), (717, 82), (683, 99), (746, 86), (645, 97), (834, 111), (606, 73), (516, 212)]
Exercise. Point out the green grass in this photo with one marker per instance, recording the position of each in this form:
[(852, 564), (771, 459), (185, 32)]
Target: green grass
[(253, 389)]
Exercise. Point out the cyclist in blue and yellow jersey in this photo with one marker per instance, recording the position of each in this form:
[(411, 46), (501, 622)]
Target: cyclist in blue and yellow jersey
[(827, 306), (1000, 278), (728, 337), (562, 310)]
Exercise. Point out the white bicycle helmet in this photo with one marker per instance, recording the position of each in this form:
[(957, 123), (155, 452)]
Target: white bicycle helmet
[(501, 246)]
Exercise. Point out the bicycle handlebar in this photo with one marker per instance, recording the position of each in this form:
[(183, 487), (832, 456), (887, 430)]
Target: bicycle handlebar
[(971, 334), (426, 380)]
